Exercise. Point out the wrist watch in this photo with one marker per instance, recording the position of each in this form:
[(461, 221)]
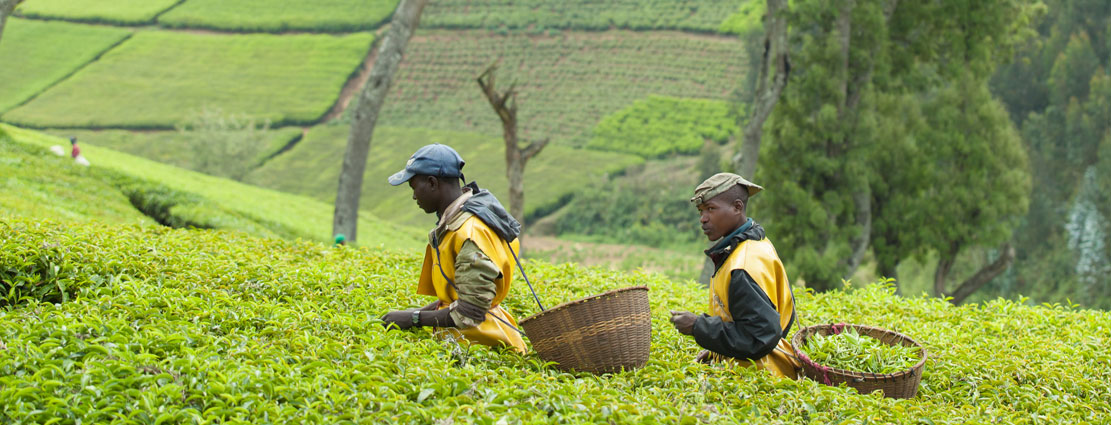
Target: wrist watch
[(416, 317)]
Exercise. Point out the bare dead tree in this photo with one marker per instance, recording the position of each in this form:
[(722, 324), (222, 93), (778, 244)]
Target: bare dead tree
[(405, 20), (505, 105)]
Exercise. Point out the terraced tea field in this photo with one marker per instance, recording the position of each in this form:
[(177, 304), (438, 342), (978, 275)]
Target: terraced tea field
[(157, 79), (44, 53), (594, 15), (567, 83), (280, 15), (117, 12)]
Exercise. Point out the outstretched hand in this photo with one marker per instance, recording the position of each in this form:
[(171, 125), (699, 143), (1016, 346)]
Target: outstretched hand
[(399, 319), (683, 321)]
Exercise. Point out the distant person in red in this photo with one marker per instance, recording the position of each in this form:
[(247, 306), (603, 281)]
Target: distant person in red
[(76, 150)]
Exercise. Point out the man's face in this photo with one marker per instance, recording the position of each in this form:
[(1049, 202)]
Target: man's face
[(424, 193), (719, 217)]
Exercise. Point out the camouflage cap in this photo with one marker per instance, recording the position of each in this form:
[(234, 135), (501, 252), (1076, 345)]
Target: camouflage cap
[(719, 183)]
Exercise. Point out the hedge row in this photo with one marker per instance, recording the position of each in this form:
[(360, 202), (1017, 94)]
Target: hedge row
[(205, 326)]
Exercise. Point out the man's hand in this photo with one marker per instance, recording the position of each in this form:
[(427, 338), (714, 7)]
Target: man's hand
[(704, 357), (400, 319), (683, 321)]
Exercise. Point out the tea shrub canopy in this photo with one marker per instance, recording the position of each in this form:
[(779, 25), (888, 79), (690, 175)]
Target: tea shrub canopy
[(191, 326), (658, 126)]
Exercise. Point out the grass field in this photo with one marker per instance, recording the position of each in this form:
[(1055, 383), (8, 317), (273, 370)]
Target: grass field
[(290, 215), (312, 168), (539, 15), (122, 12), (37, 54), (140, 324), (170, 147), (159, 78), (280, 15), (567, 83)]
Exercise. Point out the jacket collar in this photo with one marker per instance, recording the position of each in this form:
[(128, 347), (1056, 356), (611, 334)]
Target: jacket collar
[(750, 230)]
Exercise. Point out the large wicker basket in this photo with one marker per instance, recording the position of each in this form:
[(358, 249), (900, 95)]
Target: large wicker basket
[(896, 385), (599, 334)]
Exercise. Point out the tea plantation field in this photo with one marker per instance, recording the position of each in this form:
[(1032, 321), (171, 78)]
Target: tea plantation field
[(312, 169), (567, 83), (118, 12), (47, 52), (184, 197), (594, 15), (280, 15), (109, 323), (157, 79)]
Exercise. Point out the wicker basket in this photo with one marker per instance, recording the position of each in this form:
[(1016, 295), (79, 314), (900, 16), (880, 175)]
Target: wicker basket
[(599, 334), (896, 385)]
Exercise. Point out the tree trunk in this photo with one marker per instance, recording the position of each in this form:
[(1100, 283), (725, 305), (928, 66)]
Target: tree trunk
[(404, 23), (862, 199), (768, 89), (972, 284), (505, 105), (6, 9)]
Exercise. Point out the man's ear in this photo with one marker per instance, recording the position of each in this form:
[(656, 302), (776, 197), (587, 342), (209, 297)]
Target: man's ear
[(739, 205), (433, 183)]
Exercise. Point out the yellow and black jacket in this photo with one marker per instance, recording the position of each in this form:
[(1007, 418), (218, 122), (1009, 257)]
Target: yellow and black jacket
[(751, 304), (468, 266)]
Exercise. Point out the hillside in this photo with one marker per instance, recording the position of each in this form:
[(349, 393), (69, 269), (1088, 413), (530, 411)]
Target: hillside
[(118, 185), (155, 66), (219, 326)]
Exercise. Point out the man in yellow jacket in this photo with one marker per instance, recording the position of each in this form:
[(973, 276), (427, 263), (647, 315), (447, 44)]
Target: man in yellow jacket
[(752, 307), (468, 263)]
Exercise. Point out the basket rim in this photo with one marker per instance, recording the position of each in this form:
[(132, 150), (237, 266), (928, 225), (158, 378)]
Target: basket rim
[(805, 332), (584, 300)]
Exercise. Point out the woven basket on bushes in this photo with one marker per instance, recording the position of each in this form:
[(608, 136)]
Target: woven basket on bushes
[(599, 334), (895, 385)]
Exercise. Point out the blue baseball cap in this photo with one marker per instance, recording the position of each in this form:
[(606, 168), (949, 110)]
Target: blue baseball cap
[(431, 160)]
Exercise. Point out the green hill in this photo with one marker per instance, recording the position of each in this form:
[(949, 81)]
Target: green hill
[(159, 325), (179, 196)]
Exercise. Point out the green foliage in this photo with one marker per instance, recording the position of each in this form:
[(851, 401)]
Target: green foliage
[(196, 326), (659, 126), (119, 12), (46, 53), (283, 15), (225, 145), (1059, 90), (845, 152), (851, 351), (223, 204), (536, 16), (566, 83), (290, 79), (177, 148), (648, 206), (747, 20), (312, 169)]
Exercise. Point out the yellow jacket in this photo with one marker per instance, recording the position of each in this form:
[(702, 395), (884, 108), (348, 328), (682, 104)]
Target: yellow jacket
[(439, 271), (751, 283)]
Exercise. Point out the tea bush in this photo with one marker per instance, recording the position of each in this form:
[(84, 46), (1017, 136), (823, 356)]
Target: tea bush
[(119, 12), (658, 126), (191, 326)]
